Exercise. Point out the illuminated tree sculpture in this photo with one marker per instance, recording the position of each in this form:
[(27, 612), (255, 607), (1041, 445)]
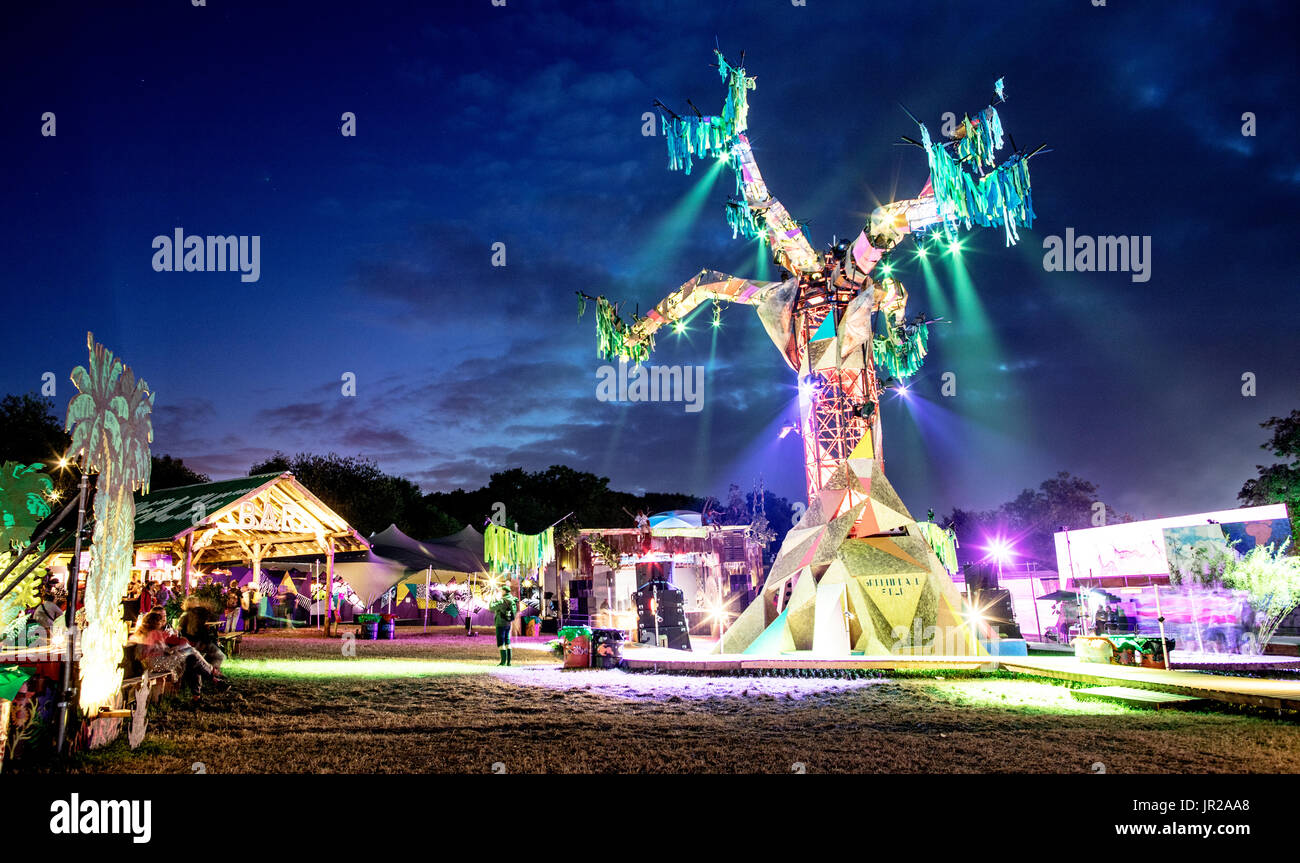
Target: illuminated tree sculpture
[(111, 426), (856, 571)]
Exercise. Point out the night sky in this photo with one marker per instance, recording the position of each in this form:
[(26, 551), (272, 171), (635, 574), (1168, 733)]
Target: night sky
[(522, 125)]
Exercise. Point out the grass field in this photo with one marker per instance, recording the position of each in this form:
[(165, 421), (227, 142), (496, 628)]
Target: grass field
[(438, 703)]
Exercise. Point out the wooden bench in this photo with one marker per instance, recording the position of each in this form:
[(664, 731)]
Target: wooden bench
[(229, 642), (159, 683)]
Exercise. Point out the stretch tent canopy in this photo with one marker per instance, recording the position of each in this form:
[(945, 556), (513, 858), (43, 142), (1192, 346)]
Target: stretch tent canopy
[(455, 556), (371, 578), (396, 558)]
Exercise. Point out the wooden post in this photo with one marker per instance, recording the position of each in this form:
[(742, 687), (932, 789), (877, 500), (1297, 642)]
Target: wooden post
[(257, 581), (189, 562), (332, 626)]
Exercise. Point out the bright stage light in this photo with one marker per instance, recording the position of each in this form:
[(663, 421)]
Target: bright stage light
[(1000, 550), (920, 251), (679, 327), (954, 248), (786, 431)]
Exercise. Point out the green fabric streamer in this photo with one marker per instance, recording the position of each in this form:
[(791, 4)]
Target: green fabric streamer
[(691, 138), (735, 111), (968, 196), (503, 549), (899, 352), (943, 542), (613, 336), (983, 137)]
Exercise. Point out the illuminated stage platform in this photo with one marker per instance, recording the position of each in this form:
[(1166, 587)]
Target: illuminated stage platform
[(1246, 691)]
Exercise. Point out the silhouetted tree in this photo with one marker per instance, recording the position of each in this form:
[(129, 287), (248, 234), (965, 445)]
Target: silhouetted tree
[(1279, 482), (1031, 520), (358, 490), (168, 472)]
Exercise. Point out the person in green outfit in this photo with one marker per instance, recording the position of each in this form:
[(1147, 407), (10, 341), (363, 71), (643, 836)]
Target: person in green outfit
[(505, 609)]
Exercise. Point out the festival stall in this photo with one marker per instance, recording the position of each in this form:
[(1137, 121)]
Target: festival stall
[(718, 568), (517, 562), (238, 530), (1174, 577)]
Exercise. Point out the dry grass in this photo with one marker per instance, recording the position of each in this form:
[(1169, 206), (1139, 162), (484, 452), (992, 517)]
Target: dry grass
[(438, 704)]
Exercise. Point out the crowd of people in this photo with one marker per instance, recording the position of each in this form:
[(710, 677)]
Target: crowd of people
[(188, 644)]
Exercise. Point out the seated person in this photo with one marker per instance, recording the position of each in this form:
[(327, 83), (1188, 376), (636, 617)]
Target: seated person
[(193, 627), (159, 650)]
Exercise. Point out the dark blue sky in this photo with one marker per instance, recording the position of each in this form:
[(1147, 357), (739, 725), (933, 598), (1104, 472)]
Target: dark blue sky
[(522, 125)]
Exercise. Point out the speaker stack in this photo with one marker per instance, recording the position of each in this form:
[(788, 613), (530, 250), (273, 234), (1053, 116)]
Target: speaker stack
[(660, 610)]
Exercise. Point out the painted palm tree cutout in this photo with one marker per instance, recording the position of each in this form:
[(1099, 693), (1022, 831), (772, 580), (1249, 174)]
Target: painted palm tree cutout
[(110, 420)]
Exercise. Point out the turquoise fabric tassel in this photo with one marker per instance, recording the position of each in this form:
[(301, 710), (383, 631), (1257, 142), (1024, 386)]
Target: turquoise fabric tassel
[(998, 198), (735, 111), (691, 138), (741, 219), (983, 138), (901, 356)]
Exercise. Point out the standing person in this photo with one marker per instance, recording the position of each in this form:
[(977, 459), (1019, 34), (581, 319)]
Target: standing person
[(252, 603), (504, 610), (469, 622), (162, 597), (232, 604)]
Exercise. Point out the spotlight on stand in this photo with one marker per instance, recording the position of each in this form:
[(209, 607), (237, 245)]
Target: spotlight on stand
[(786, 430), (865, 410)]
